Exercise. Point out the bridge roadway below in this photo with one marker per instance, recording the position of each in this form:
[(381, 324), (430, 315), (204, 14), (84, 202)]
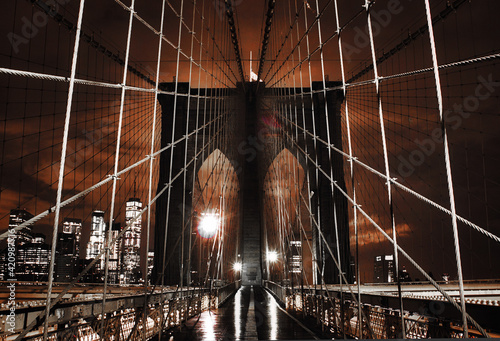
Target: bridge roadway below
[(485, 292), (251, 314)]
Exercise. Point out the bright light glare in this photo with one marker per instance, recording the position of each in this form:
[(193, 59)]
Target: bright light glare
[(209, 225), (272, 256), (237, 267)]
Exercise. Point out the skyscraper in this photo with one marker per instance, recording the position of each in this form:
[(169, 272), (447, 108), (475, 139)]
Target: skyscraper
[(295, 257), (68, 250), (73, 227), (97, 238), (17, 217), (32, 259), (132, 242), (384, 269), (151, 256), (115, 255)]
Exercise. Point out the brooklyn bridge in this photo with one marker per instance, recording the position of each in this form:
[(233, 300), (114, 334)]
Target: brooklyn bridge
[(242, 170)]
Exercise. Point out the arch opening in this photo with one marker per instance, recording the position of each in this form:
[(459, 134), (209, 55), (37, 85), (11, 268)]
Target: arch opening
[(287, 234), (216, 221)]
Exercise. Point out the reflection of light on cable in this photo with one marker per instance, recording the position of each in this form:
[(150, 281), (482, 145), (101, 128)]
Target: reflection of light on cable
[(237, 266), (209, 225), (237, 315), (273, 312)]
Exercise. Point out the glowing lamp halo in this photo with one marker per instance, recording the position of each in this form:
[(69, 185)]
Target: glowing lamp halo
[(209, 225), (272, 256), (237, 266)]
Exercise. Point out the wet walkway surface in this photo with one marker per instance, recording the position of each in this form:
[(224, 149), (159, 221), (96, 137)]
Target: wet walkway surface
[(251, 314)]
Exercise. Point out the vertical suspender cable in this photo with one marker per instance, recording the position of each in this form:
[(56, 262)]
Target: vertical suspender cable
[(448, 166), (368, 4), (196, 134), (306, 171), (311, 217), (61, 168), (350, 160), (184, 182), (151, 163), (188, 267), (169, 191), (313, 118), (325, 102), (117, 159)]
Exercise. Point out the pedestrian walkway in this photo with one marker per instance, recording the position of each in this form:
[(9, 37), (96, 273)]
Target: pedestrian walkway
[(251, 314)]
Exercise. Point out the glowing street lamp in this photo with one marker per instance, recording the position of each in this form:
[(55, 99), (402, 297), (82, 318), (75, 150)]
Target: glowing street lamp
[(209, 225), (272, 256), (237, 266)]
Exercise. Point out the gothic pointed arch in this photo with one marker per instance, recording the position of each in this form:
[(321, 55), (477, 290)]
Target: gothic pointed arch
[(215, 193), (287, 226)]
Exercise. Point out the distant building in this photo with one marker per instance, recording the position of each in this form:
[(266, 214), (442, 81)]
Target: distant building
[(68, 250), (404, 276), (93, 275), (131, 259), (17, 217), (33, 259), (295, 259), (74, 227), (97, 238), (151, 256), (115, 255), (384, 269)]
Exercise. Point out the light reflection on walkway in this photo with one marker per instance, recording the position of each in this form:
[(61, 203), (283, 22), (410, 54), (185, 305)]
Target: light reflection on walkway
[(273, 312), (237, 315), (207, 323), (252, 313)]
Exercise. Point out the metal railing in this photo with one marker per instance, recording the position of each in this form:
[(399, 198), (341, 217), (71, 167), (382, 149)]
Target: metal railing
[(378, 322), (124, 315)]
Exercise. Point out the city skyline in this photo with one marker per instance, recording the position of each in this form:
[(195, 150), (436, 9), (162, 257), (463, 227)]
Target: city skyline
[(72, 252)]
